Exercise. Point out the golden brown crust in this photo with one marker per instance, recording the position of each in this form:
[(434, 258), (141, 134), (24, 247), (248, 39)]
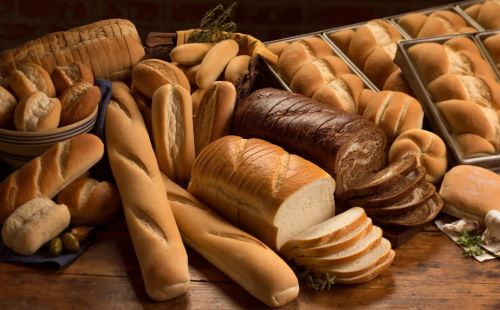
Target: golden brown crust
[(75, 72), (29, 78), (342, 39), (215, 61), (78, 101), (7, 107), (37, 112), (397, 82), (150, 74)]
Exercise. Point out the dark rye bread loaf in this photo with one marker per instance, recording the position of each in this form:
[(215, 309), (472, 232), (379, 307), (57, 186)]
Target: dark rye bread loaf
[(346, 145)]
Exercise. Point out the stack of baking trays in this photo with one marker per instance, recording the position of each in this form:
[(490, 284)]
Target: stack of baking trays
[(447, 57)]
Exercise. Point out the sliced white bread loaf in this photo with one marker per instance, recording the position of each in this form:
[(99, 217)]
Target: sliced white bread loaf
[(330, 230), (370, 274), (367, 243), (382, 179), (359, 266), (334, 246), (419, 196)]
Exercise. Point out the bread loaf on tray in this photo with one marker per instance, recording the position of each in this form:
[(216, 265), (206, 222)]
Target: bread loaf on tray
[(346, 145), (486, 14), (262, 189), (438, 23)]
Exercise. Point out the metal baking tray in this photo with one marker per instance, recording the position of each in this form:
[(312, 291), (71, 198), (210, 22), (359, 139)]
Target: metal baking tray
[(450, 7), (336, 52), (481, 36), (491, 162)]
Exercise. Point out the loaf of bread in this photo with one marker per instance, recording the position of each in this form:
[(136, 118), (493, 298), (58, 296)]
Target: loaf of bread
[(110, 48), (492, 44), (346, 145), (29, 78), (372, 48), (395, 113), (173, 136), (151, 74), (341, 93), (242, 257), (426, 147), (46, 175), (37, 112), (8, 105), (90, 202), (257, 186), (34, 223), (398, 82), (215, 61), (485, 14), (438, 23), (155, 236), (278, 47), (78, 101), (66, 76)]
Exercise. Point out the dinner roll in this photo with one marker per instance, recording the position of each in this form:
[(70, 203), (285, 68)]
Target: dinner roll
[(150, 74), (7, 107), (78, 101), (37, 112), (29, 78), (65, 76)]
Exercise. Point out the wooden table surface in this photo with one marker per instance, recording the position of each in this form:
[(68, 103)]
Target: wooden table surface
[(428, 273)]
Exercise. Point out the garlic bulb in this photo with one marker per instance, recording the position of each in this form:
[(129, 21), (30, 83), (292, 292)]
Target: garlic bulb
[(492, 221), (464, 224)]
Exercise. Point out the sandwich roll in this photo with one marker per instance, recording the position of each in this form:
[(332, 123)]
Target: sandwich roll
[(213, 117), (190, 54), (33, 224), (45, 176), (78, 101), (90, 202), (154, 233), (151, 74), (242, 257), (215, 62), (8, 105), (238, 66), (173, 131), (470, 192), (28, 78), (76, 72), (37, 112), (341, 93)]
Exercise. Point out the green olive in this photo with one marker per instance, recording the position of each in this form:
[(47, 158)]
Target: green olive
[(55, 246), (71, 243)]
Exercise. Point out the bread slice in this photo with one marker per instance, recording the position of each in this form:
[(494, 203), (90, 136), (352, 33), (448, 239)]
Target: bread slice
[(370, 274), (419, 196), (367, 243), (382, 179), (335, 246), (420, 215), (359, 266), (330, 230), (391, 194)]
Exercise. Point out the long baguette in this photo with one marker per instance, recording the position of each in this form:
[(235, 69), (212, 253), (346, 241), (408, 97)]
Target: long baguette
[(245, 259), (156, 239)]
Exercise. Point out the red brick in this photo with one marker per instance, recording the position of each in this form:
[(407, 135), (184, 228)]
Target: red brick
[(54, 10)]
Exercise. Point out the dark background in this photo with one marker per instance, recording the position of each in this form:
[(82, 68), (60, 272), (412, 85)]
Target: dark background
[(23, 20)]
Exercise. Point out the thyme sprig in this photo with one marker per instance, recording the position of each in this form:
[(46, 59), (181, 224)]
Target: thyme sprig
[(214, 29), (471, 243), (316, 284)]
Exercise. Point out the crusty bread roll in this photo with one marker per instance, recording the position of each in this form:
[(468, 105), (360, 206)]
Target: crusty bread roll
[(470, 192), (90, 202), (428, 148), (37, 112), (438, 23), (78, 101), (341, 93), (29, 78), (238, 66), (190, 54), (173, 137), (486, 14), (214, 115), (395, 113), (46, 175), (150, 74), (215, 62), (255, 185), (262, 272), (197, 97), (33, 224), (8, 105), (364, 99), (156, 239), (298, 53), (75, 72)]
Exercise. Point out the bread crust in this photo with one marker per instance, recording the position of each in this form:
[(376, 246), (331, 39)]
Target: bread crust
[(37, 112), (215, 61), (190, 54), (78, 101), (151, 74), (75, 72)]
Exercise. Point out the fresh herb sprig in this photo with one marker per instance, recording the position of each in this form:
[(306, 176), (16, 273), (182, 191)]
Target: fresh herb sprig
[(470, 242), (214, 29), (317, 284)]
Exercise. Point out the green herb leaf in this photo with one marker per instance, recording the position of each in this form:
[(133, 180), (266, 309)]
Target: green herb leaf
[(214, 29), (471, 243)]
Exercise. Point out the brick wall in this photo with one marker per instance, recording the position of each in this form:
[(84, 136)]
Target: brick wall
[(22, 20)]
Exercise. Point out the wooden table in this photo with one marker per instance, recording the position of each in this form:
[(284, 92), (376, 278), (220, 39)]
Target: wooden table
[(428, 273)]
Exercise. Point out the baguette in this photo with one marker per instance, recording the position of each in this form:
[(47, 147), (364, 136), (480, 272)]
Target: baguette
[(156, 239), (215, 62), (45, 176), (242, 257)]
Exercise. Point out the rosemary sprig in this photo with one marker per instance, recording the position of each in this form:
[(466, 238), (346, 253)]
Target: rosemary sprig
[(470, 242), (212, 29)]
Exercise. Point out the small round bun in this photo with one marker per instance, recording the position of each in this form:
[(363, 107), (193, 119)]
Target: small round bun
[(427, 147), (65, 76), (78, 101), (29, 78), (90, 202), (37, 112), (7, 107), (150, 74)]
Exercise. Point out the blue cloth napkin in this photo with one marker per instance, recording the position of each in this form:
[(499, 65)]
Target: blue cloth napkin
[(101, 171)]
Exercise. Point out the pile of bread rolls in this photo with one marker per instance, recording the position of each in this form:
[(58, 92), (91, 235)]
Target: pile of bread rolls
[(41, 102), (437, 23), (486, 14)]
